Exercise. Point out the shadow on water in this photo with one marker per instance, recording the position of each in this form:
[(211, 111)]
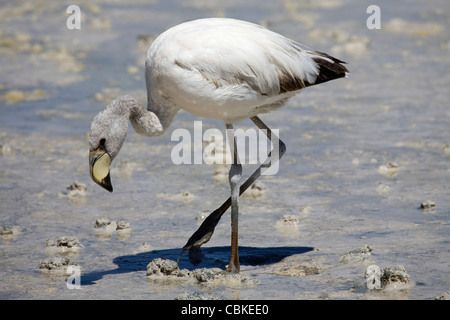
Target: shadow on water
[(213, 257)]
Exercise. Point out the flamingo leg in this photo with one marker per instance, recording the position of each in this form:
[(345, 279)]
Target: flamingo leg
[(206, 229), (234, 177)]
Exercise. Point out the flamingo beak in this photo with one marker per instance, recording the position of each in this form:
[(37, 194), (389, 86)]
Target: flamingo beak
[(99, 164)]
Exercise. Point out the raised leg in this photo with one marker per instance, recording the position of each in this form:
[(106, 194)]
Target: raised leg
[(206, 229)]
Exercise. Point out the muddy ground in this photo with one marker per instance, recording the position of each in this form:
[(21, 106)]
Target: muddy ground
[(365, 180)]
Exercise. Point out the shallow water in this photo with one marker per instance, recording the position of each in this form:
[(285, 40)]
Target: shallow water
[(392, 109)]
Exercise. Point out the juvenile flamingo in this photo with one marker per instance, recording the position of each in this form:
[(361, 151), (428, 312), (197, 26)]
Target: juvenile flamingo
[(218, 68)]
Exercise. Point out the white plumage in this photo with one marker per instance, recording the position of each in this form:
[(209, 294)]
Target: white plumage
[(217, 68), (226, 69)]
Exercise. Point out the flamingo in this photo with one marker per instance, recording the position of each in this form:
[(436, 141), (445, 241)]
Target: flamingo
[(217, 68)]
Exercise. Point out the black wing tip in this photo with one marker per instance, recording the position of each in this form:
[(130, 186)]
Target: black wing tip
[(330, 68)]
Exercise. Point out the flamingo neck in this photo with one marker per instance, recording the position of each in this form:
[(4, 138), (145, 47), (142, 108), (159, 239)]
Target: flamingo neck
[(144, 122)]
